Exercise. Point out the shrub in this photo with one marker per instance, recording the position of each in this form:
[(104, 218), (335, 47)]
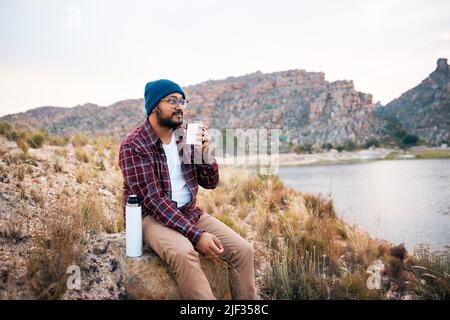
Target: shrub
[(296, 148), (410, 140), (81, 155), (303, 270), (61, 152), (58, 140), (350, 146), (36, 139), (5, 128), (400, 134), (37, 197), (80, 174), (318, 206), (372, 143), (91, 208), (354, 286), (296, 274), (432, 273), (21, 170), (79, 140), (103, 143), (307, 148), (23, 145), (114, 157)]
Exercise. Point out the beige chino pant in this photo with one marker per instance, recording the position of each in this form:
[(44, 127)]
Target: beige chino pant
[(178, 252)]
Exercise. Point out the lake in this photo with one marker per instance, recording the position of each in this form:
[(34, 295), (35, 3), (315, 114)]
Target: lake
[(402, 201)]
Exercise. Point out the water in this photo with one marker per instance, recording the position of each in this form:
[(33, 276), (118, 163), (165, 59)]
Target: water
[(402, 201)]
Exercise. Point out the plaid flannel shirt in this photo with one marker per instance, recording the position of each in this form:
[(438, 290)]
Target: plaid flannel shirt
[(144, 168)]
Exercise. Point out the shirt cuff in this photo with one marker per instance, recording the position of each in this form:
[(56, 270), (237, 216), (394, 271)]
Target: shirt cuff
[(194, 233)]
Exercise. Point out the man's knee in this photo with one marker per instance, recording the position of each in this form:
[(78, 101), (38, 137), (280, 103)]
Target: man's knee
[(245, 249), (183, 254)]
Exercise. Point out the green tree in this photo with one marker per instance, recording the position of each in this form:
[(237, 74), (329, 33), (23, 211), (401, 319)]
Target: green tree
[(410, 140)]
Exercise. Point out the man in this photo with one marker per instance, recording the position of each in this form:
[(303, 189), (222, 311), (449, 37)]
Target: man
[(173, 226)]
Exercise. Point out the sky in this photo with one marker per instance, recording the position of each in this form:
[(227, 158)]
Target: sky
[(65, 53)]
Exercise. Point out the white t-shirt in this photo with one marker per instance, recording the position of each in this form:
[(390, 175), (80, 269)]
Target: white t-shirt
[(180, 191)]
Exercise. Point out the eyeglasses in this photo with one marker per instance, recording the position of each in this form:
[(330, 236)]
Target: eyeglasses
[(175, 103)]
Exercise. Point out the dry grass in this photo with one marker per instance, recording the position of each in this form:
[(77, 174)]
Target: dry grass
[(319, 207), (103, 143), (16, 223), (61, 152), (56, 140), (113, 157), (99, 215), (20, 172), (59, 244), (60, 240), (65, 219), (431, 153), (12, 227), (36, 139), (37, 197), (119, 210), (81, 155), (308, 266), (432, 271), (79, 140), (90, 206), (23, 145), (80, 174), (87, 173)]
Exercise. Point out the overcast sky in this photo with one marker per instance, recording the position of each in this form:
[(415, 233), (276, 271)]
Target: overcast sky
[(64, 53)]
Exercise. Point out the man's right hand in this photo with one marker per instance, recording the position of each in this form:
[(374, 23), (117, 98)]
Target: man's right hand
[(209, 244)]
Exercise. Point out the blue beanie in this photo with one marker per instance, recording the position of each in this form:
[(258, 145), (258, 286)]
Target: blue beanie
[(158, 89)]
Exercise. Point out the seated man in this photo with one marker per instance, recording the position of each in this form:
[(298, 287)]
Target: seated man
[(173, 226)]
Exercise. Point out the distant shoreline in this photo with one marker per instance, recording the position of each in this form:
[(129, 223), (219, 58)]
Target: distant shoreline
[(344, 157)]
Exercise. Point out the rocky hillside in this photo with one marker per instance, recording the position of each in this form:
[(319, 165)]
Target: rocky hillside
[(425, 109), (89, 118), (303, 104), (308, 109)]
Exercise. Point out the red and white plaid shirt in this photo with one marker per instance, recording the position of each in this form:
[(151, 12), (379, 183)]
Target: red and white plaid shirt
[(144, 168)]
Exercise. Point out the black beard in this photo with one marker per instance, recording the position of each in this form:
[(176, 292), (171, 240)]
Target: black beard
[(168, 123)]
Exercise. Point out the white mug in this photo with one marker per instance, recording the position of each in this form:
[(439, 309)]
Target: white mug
[(192, 130)]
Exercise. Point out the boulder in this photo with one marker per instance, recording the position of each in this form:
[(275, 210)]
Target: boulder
[(149, 277)]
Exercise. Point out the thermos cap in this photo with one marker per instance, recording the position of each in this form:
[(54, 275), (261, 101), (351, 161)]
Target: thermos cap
[(133, 199)]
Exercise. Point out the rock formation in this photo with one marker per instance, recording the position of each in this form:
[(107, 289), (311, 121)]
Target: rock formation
[(425, 109), (307, 108)]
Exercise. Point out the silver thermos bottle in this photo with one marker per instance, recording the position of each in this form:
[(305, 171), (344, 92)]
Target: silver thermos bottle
[(133, 223)]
